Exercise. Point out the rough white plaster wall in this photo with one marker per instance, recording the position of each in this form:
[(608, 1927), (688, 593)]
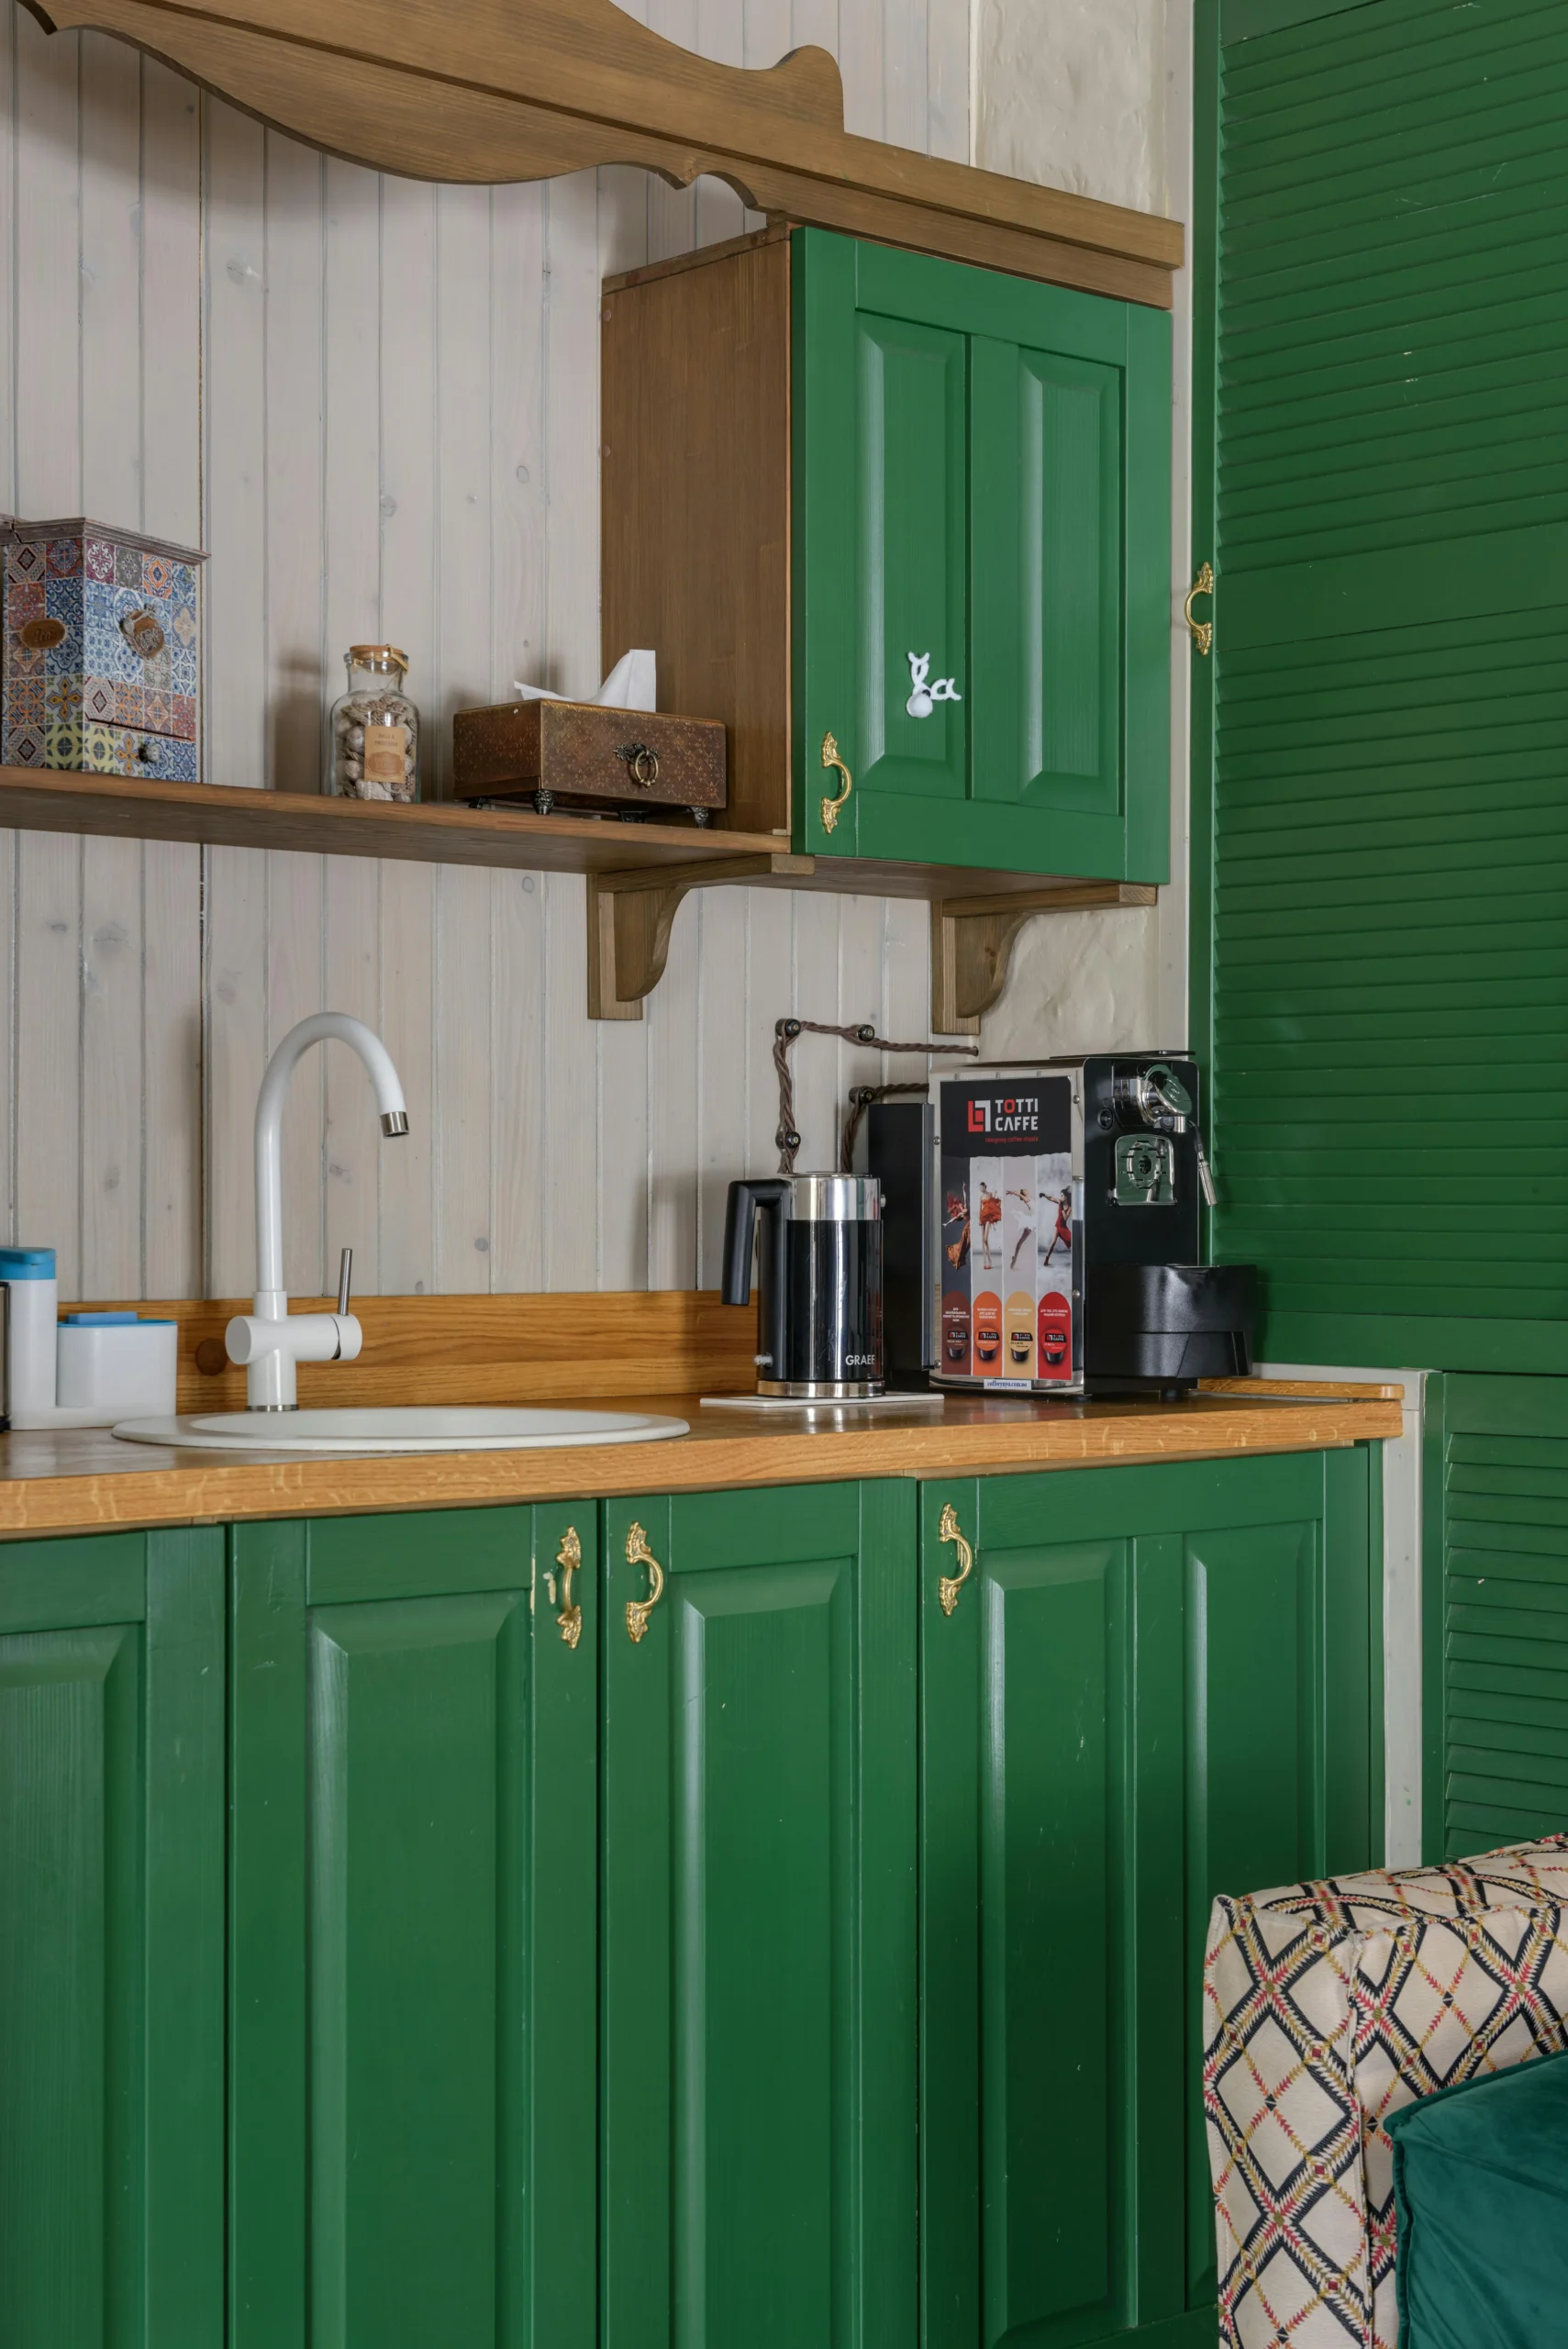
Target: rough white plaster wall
[(1096, 95), (1085, 982), (1071, 93)]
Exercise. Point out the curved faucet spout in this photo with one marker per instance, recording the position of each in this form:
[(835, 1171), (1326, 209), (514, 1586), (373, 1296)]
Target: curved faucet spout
[(271, 1298)]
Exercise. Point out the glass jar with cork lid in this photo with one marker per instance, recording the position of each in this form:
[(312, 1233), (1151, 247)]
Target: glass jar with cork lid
[(372, 732)]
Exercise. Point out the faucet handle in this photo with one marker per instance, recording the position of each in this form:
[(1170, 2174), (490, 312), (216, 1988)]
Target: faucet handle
[(345, 1277)]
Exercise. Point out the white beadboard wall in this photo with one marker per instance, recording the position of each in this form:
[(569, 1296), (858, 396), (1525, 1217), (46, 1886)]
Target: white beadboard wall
[(374, 402)]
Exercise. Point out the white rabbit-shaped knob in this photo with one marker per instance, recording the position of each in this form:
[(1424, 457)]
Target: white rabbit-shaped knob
[(919, 703)]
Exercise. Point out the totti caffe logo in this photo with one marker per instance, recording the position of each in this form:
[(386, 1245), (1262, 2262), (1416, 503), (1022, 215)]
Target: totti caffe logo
[(1005, 1113)]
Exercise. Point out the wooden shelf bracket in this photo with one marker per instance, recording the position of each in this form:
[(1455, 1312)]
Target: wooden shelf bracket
[(972, 941), (631, 916)]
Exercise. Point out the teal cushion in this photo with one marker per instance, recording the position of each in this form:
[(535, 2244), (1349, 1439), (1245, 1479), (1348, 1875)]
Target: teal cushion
[(1481, 2186)]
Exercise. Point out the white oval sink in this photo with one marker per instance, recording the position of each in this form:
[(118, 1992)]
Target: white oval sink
[(480, 1427)]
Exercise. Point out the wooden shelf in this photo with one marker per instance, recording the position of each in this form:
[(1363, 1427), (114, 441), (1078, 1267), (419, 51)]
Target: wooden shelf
[(637, 873), (492, 91)]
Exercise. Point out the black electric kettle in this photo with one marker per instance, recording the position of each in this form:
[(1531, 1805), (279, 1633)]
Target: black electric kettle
[(818, 1281)]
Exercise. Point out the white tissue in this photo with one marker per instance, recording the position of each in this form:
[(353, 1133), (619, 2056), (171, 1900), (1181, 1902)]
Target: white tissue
[(631, 684)]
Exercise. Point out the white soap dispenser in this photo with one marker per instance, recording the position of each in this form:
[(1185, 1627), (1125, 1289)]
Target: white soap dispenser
[(32, 1313), (112, 1365)]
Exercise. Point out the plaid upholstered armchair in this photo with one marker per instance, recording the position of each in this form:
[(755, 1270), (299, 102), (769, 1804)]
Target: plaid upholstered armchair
[(1329, 2006)]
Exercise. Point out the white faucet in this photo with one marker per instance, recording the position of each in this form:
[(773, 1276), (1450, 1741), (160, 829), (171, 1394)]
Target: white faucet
[(268, 1342)]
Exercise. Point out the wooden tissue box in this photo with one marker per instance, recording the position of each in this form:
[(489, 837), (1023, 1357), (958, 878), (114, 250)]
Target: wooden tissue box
[(579, 756)]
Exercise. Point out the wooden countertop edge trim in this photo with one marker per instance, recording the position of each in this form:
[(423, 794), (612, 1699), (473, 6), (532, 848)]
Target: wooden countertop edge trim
[(1337, 1390), (195, 1495)]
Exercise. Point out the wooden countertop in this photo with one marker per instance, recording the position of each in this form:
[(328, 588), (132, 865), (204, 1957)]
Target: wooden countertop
[(82, 1481)]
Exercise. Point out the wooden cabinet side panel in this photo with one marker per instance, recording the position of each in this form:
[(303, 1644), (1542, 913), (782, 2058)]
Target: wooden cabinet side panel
[(695, 506)]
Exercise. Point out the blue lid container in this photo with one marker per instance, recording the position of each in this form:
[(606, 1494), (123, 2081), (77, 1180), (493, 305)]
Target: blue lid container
[(27, 1264)]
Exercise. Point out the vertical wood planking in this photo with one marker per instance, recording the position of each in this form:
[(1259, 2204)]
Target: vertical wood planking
[(9, 160), (461, 1111), (113, 1078), (770, 996), (408, 1168), (170, 326), (169, 344), (47, 280), (295, 552), (352, 1142), (48, 1050), (235, 1043), (171, 1144), (570, 1187), (463, 475), (816, 994), (294, 990), (111, 282), (518, 1103), (235, 455), (674, 1096), (375, 403), (721, 1106)]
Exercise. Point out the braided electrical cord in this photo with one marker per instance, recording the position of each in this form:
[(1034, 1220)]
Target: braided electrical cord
[(784, 1034)]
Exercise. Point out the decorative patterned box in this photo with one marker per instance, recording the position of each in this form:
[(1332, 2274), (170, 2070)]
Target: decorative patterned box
[(101, 655), (1327, 2007)]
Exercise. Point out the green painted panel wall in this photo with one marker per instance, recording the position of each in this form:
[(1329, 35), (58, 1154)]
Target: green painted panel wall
[(1497, 1636), (1385, 717)]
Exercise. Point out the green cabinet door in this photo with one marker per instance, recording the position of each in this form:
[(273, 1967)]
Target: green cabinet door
[(111, 1942), (413, 1852), (1140, 1686), (982, 564), (759, 1920)]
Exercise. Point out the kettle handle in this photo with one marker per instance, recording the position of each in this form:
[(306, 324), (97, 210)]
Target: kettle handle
[(740, 1213)]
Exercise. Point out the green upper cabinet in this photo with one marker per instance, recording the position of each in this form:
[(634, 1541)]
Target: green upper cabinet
[(112, 1942), (758, 1933), (982, 555), (413, 1859), (918, 507), (1140, 1686)]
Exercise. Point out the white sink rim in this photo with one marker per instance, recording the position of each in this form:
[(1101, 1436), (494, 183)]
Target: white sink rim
[(403, 1428)]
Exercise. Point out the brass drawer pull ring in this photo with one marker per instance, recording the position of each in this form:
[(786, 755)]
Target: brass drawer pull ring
[(642, 762), (830, 807), (638, 1611), (569, 1558), (1202, 630), (950, 1586)]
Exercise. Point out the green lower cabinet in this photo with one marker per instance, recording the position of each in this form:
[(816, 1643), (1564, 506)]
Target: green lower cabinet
[(758, 1927), (111, 1942), (770, 1918), (1148, 1686), (413, 1845)]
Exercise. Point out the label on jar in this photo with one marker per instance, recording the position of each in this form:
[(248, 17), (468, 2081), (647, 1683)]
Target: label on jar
[(384, 748)]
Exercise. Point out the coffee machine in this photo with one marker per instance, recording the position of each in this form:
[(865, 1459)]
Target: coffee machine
[(1042, 1230), (819, 1281)]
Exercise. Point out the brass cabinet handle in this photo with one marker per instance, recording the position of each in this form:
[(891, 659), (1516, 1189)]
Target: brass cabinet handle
[(638, 1611), (950, 1586), (830, 759), (1202, 630), (569, 1558)]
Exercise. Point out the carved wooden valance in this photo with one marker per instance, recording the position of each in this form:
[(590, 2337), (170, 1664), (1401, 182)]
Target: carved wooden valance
[(492, 91)]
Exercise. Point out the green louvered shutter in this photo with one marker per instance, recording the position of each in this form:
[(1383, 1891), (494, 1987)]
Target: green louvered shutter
[(1497, 1632), (1389, 689)]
